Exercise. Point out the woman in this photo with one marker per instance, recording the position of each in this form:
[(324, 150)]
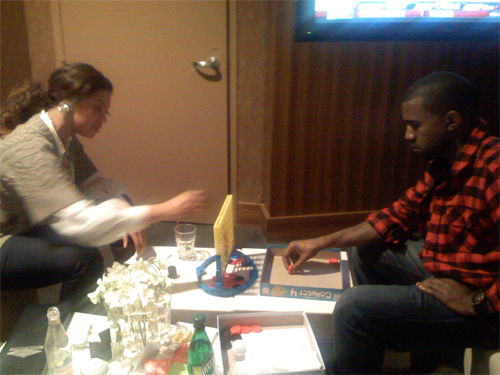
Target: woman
[(55, 206)]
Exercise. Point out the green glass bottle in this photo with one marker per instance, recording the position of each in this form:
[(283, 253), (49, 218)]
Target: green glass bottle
[(201, 359)]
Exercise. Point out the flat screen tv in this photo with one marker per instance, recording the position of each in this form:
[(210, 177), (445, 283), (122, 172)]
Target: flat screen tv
[(397, 20)]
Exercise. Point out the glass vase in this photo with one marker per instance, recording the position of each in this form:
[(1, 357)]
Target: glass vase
[(132, 330)]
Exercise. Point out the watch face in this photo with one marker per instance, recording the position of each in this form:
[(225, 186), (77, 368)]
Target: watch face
[(478, 297)]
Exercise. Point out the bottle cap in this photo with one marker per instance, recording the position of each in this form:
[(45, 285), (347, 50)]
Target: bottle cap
[(172, 272), (199, 321), (53, 313)]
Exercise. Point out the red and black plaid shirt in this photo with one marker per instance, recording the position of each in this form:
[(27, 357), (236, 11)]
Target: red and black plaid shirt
[(458, 216)]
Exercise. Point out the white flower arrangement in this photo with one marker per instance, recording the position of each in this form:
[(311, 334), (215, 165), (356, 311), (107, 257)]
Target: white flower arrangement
[(139, 292), (133, 287)]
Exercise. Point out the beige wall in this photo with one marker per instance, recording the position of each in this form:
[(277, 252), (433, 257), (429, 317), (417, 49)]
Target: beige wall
[(30, 21)]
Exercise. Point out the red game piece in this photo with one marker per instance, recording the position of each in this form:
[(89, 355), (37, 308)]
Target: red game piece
[(181, 354), (235, 330), (245, 329), (256, 329), (290, 269), (157, 366), (238, 261), (334, 261)]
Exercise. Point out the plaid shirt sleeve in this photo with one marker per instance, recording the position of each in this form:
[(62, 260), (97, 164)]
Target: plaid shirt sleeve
[(491, 194), (399, 221), (459, 218)]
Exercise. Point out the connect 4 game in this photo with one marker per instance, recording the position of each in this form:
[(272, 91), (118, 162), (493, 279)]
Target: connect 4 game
[(235, 271), (224, 231), (322, 278)]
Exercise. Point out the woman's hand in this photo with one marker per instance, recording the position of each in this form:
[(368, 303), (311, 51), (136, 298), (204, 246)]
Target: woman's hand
[(192, 202), (139, 239), (189, 203)]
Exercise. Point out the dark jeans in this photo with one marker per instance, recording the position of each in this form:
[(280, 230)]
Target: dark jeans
[(388, 311), (41, 258)]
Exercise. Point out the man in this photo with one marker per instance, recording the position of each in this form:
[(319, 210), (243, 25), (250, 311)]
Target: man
[(444, 288)]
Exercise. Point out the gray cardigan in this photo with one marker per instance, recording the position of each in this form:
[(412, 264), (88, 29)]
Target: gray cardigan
[(34, 181)]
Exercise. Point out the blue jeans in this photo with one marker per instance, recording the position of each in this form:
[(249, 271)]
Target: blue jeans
[(387, 310), (41, 258)]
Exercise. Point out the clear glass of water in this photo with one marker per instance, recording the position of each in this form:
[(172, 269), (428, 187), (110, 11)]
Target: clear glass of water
[(185, 236)]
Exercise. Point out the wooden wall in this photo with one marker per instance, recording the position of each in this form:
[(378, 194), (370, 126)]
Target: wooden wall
[(15, 60), (337, 148)]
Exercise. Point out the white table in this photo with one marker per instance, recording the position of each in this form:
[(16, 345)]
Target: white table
[(188, 299)]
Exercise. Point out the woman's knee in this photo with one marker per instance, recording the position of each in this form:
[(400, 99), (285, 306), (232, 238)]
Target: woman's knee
[(84, 259)]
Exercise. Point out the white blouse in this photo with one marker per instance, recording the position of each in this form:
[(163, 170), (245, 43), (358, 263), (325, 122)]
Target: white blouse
[(87, 223)]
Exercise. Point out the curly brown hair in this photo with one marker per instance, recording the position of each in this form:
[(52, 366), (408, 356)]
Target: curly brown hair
[(73, 82), (21, 104)]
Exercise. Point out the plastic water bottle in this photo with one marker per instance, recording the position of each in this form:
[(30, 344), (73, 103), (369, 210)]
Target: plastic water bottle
[(57, 348), (201, 359), (238, 366)]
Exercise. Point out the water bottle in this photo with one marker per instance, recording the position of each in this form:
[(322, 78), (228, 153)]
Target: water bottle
[(238, 366), (57, 348), (201, 359)]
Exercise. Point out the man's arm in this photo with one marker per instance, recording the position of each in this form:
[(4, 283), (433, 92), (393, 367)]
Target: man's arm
[(299, 252)]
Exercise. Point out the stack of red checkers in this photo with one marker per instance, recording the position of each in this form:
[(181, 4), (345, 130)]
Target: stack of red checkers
[(236, 330)]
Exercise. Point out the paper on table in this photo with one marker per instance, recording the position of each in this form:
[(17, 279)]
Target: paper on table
[(279, 350), (99, 323)]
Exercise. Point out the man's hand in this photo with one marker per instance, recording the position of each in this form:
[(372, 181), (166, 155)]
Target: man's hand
[(299, 252), (453, 294)]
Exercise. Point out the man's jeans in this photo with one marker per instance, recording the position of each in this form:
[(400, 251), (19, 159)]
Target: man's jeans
[(392, 312)]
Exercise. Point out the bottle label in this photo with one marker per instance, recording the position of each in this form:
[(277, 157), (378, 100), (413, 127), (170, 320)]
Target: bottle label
[(207, 367), (60, 363)]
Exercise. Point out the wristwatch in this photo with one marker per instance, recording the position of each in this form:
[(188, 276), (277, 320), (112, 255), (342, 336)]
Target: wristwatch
[(479, 302)]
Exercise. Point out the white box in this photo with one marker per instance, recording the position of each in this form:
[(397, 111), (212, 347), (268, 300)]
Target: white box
[(277, 329)]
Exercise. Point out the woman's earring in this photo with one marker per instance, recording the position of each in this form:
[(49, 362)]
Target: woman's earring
[(67, 108)]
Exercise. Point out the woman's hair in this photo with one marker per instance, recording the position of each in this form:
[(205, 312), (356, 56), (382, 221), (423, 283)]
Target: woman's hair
[(72, 82)]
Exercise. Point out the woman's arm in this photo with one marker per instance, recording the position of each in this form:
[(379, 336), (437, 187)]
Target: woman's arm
[(87, 224)]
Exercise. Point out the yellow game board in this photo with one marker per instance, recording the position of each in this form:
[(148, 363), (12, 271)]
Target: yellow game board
[(224, 232)]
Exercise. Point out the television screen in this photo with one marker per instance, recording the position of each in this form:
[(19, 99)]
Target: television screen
[(397, 20)]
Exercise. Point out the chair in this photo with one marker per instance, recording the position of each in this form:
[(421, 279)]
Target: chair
[(481, 361)]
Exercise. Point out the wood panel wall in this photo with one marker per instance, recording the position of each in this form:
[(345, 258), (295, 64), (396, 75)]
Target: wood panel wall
[(15, 59), (338, 149)]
